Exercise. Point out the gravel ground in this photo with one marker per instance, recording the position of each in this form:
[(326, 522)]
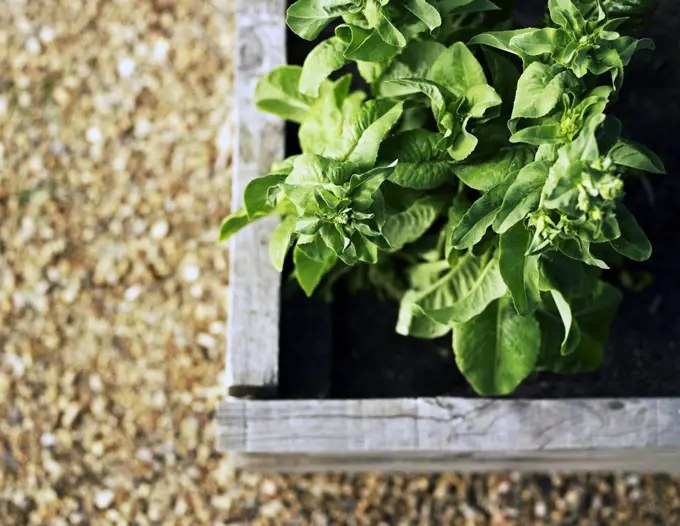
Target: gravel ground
[(114, 167)]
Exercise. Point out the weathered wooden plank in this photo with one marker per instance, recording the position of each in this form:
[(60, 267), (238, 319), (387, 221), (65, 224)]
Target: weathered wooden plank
[(516, 429), (252, 341), (651, 460)]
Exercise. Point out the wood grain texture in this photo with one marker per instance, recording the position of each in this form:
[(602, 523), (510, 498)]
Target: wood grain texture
[(253, 310), (514, 429), (654, 460)]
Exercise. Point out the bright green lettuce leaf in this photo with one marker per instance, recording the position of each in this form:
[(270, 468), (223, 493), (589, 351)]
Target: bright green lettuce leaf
[(568, 16), (409, 225), (233, 223), (421, 165), (307, 18), (500, 39), (519, 271), (425, 12), (464, 291), (280, 242), (539, 90), (485, 173), (323, 60), (457, 70), (343, 127), (309, 271), (539, 41), (278, 92), (636, 155), (259, 194), (497, 349), (480, 216), (522, 197), (454, 115), (365, 44), (633, 242), (413, 62)]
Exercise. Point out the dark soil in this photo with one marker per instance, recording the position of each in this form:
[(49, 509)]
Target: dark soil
[(348, 349)]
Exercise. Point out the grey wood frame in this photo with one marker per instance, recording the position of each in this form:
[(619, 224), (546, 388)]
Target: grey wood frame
[(426, 434)]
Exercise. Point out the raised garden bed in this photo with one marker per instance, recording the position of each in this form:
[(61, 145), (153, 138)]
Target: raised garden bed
[(332, 385)]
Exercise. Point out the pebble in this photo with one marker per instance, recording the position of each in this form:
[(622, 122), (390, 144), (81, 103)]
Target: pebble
[(104, 498)]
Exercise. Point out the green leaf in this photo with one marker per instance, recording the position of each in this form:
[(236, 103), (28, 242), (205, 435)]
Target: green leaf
[(538, 135), (413, 62), (498, 349), (349, 129), (278, 92), (307, 18), (522, 197), (457, 69), (480, 216), (484, 174), (309, 272), (365, 44), (481, 98), (280, 241), (365, 152), (412, 322), (519, 271), (464, 292), (256, 195), (636, 155), (539, 90), (572, 334), (233, 223), (594, 315), (540, 41), (411, 224), (504, 78), (566, 15), (421, 165), (425, 12), (567, 275), (321, 61), (500, 39), (633, 242)]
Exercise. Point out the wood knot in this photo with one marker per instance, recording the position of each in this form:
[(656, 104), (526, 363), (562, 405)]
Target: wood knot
[(251, 52)]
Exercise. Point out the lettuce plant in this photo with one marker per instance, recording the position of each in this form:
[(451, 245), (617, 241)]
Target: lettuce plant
[(481, 181)]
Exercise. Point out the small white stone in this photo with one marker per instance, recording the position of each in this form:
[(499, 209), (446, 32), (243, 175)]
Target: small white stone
[(540, 509), (104, 498), (196, 291), (33, 46), (126, 67), (3, 105), (190, 273), (220, 502), (16, 363), (94, 135), (144, 455), (142, 128), (119, 163), (205, 340), (160, 51), (95, 382), (217, 327), (132, 293), (160, 229), (47, 440), (46, 34)]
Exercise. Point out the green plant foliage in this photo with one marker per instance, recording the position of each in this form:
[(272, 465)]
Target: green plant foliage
[(480, 183)]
